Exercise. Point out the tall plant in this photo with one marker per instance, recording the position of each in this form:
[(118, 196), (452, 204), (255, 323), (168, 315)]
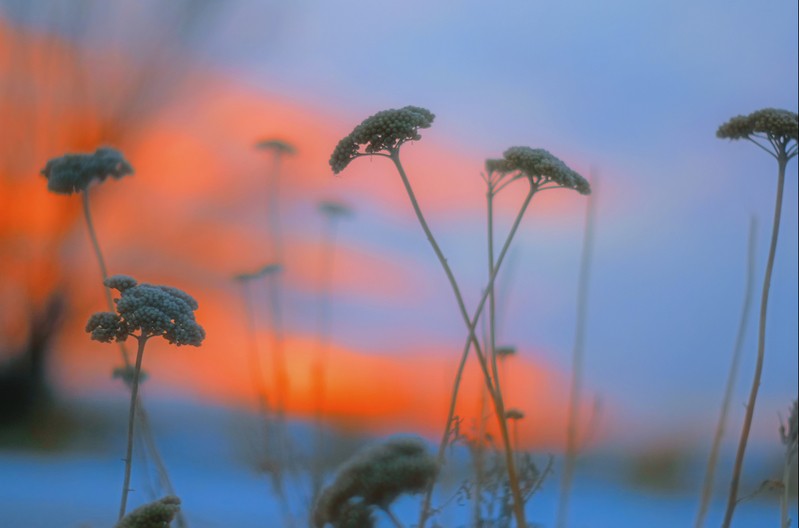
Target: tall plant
[(775, 132)]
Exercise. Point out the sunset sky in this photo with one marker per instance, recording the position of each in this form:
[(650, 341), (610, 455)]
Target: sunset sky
[(627, 92)]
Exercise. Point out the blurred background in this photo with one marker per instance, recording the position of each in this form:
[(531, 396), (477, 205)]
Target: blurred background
[(628, 93)]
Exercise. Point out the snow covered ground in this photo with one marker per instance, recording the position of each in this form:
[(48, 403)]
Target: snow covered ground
[(205, 451)]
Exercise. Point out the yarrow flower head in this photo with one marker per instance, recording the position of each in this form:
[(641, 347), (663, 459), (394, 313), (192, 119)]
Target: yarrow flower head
[(276, 145), (72, 173), (158, 514), (376, 477), (541, 167), (775, 123), (152, 310), (383, 132)]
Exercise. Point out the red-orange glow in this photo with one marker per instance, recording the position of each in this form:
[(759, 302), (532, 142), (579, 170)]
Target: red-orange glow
[(194, 214)]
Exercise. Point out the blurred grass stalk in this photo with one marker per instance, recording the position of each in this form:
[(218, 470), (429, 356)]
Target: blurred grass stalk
[(575, 388), (732, 376)]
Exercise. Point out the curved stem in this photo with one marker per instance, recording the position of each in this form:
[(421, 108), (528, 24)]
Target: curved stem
[(319, 368), (134, 392), (471, 339), (707, 487), (577, 359), (144, 423), (761, 348)]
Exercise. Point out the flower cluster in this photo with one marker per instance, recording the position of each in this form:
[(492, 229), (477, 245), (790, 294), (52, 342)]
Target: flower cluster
[(153, 310), (74, 172), (384, 131), (773, 122), (540, 166), (276, 145), (375, 477), (155, 514)]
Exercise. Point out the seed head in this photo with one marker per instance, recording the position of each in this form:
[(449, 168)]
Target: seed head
[(153, 310), (75, 172), (158, 514), (541, 167), (376, 477), (775, 123), (383, 132), (276, 145)]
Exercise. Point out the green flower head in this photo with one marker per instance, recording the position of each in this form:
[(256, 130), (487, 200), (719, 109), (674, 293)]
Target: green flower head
[(72, 173), (774, 123), (153, 310), (383, 132), (541, 167)]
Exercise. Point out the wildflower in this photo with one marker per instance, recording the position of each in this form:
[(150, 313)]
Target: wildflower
[(384, 131), (376, 477), (541, 167), (153, 310), (75, 172), (157, 514), (772, 122)]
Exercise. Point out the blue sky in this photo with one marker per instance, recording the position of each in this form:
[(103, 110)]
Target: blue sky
[(634, 89)]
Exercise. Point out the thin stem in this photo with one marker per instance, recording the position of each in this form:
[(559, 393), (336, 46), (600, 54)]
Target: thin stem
[(732, 376), (134, 392), (578, 352), (97, 251), (785, 520), (143, 422), (319, 368), (394, 520), (425, 511), (499, 404), (761, 347)]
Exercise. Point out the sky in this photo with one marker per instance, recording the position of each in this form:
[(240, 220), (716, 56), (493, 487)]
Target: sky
[(627, 93)]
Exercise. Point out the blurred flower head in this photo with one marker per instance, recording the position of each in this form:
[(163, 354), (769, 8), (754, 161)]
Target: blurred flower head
[(541, 167), (153, 310), (777, 124), (333, 209), (376, 477), (72, 173), (514, 414), (159, 513), (276, 145), (383, 132)]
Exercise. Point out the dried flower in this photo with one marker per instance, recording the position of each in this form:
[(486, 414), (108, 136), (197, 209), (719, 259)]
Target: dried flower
[(276, 145), (383, 132), (269, 269), (541, 167), (773, 122), (156, 514), (75, 172), (376, 477), (153, 310)]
